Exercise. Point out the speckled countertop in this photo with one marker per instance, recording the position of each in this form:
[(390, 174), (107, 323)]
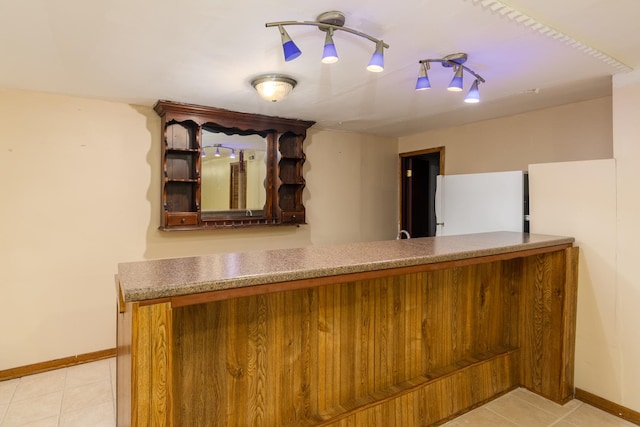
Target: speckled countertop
[(154, 279)]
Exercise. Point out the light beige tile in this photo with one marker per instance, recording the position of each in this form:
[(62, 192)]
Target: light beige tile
[(520, 412), (588, 416), (88, 373), (544, 404), (46, 422), (34, 409), (481, 417), (3, 410), (95, 416), (112, 368), (87, 395), (40, 384), (7, 390)]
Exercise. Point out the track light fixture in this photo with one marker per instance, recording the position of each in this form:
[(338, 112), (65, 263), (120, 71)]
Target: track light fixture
[(232, 155), (329, 22), (456, 62)]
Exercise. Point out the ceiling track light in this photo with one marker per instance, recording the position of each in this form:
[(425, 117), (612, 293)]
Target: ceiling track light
[(330, 22), (455, 61), (232, 155)]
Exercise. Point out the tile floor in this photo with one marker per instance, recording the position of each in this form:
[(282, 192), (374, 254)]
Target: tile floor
[(84, 396)]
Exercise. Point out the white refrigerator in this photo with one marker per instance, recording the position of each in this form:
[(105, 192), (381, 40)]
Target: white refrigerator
[(482, 202)]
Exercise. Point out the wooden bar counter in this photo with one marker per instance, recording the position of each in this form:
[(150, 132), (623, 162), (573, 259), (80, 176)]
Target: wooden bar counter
[(394, 333)]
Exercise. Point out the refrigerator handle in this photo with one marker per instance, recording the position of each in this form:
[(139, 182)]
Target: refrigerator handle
[(439, 205)]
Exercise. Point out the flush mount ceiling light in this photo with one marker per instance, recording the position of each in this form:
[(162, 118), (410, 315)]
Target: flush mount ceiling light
[(273, 87), (456, 62), (329, 22)]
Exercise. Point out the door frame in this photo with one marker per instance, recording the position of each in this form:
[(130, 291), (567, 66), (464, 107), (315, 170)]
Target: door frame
[(401, 157)]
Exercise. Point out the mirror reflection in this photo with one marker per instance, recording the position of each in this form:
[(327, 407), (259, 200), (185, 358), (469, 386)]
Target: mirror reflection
[(233, 172)]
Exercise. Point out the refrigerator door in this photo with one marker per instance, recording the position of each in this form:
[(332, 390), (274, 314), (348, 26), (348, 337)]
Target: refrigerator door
[(478, 203)]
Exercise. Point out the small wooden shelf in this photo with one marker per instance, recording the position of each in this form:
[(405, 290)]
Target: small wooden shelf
[(290, 146), (181, 150), (194, 181)]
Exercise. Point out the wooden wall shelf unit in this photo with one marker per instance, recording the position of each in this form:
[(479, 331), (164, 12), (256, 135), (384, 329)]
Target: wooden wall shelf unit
[(408, 346), (182, 126)]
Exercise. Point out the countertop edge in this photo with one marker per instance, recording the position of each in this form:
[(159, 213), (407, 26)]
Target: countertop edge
[(191, 288)]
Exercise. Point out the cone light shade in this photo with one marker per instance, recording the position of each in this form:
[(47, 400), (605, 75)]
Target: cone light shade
[(376, 64), (456, 82), (290, 49), (423, 82), (473, 97), (329, 54)]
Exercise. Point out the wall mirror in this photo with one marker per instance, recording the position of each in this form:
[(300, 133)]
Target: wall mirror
[(233, 174), (226, 169)]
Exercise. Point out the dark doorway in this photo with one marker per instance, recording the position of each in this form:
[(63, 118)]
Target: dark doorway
[(418, 180)]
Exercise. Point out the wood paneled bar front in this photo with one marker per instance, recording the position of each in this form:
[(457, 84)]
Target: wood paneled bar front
[(395, 333)]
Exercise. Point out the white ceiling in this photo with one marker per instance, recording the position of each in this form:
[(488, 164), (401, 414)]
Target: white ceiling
[(532, 54)]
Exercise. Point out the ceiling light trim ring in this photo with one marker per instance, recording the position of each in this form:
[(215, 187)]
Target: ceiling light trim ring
[(283, 85)]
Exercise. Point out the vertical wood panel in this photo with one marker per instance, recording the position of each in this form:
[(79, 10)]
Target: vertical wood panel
[(568, 326), (328, 333), (313, 346), (414, 327), (547, 309), (152, 357), (216, 384), (348, 342), (337, 331), (257, 367), (235, 355), (322, 348), (399, 328), (124, 364), (308, 348)]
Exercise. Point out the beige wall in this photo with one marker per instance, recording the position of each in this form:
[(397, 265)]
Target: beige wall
[(81, 193), (626, 147), (579, 131), (578, 199), (353, 187)]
